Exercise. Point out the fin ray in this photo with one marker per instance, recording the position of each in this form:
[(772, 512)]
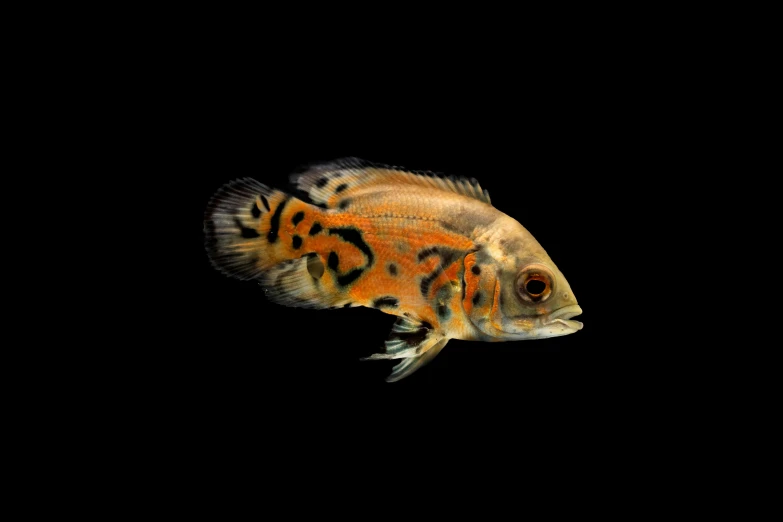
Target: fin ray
[(411, 364), (331, 182), (415, 342)]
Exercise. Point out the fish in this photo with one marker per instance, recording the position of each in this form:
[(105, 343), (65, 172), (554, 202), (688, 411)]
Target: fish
[(427, 248)]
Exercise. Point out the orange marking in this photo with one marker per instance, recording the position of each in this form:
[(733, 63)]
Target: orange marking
[(471, 283), (494, 314)]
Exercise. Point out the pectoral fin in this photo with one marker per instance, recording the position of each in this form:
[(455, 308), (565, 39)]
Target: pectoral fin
[(415, 342)]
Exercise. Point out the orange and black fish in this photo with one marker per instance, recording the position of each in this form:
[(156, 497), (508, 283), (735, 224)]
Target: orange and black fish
[(429, 249)]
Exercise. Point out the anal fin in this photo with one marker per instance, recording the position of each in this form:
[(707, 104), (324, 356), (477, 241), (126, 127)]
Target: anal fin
[(415, 342)]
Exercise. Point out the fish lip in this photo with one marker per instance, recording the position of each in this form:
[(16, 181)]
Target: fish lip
[(563, 316)]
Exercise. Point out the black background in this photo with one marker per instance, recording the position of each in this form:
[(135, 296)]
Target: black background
[(572, 152), (557, 166), (575, 136)]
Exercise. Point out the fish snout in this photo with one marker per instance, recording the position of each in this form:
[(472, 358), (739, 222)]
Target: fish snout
[(563, 316)]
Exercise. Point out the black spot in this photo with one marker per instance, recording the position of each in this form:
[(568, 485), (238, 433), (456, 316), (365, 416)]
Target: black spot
[(476, 270), (340, 188), (353, 236), (297, 241), (255, 210), (349, 278), (393, 269), (247, 233), (477, 297), (333, 260), (344, 204), (385, 301), (443, 311), (427, 252), (275, 225), (321, 182), (265, 202), (315, 229), (299, 216)]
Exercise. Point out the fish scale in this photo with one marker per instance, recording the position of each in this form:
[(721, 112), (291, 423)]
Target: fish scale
[(431, 250)]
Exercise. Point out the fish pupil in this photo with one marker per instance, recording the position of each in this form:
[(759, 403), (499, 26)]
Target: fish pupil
[(535, 287)]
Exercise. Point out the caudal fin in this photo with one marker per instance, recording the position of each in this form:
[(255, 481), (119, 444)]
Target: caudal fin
[(241, 228), (255, 232)]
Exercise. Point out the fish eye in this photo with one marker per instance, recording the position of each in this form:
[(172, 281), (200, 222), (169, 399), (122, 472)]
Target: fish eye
[(534, 284)]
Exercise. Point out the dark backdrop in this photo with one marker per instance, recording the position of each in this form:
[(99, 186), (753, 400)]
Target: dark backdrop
[(558, 167), (570, 152)]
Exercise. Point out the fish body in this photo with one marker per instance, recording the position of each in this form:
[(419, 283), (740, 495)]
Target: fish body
[(431, 250)]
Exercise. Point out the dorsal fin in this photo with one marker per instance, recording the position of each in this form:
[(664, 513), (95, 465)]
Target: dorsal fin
[(329, 183)]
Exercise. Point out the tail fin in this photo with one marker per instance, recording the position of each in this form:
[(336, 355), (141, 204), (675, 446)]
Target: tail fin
[(241, 227), (255, 232)]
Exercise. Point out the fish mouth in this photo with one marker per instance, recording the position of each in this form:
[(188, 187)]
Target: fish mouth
[(564, 315)]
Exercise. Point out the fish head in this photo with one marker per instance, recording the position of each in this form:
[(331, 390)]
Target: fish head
[(528, 297)]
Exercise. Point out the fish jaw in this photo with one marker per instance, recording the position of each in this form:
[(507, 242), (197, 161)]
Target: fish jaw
[(555, 324), (563, 316)]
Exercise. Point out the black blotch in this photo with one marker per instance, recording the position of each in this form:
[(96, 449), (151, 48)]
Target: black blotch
[(448, 256), (349, 278), (247, 233), (315, 229), (393, 269), (275, 225), (341, 188), (321, 182), (255, 210), (344, 204), (427, 252), (385, 301), (443, 311), (299, 216), (477, 297), (297, 241), (265, 202), (353, 236), (427, 281), (333, 260), (476, 270)]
